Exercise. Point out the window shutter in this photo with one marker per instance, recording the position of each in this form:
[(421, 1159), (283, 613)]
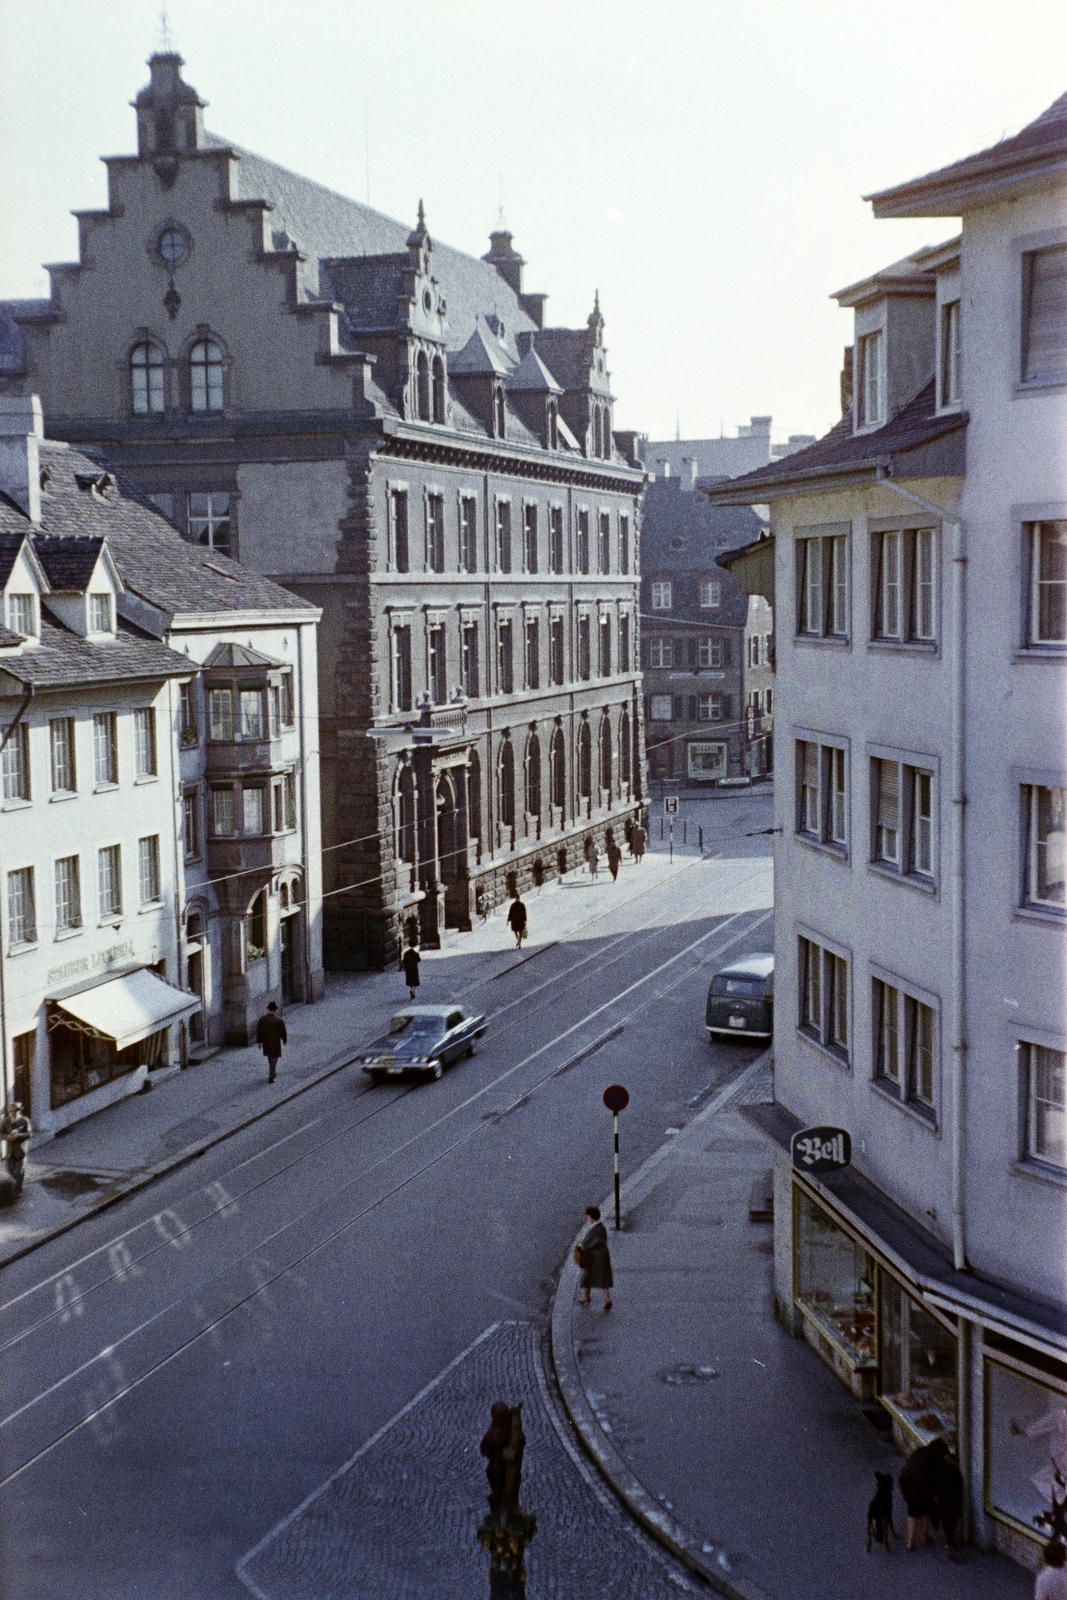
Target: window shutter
[(677, 708), (727, 657), (727, 706), (889, 794), (692, 708), (692, 651), (1046, 323)]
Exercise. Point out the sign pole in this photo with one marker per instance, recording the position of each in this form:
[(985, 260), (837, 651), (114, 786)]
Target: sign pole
[(618, 1221), (616, 1099)]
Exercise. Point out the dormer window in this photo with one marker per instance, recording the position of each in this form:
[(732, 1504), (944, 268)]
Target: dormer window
[(438, 389), (422, 387), (869, 387), (205, 376), (499, 420), (553, 426), (22, 614), (950, 353), (597, 444), (100, 613), (146, 380)]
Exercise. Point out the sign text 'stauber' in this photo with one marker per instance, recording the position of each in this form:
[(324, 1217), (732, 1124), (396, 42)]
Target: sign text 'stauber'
[(821, 1149)]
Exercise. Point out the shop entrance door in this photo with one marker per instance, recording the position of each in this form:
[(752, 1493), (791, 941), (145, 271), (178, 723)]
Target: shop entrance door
[(288, 960)]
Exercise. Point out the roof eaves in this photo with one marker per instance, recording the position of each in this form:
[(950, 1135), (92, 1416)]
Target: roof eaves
[(937, 193)]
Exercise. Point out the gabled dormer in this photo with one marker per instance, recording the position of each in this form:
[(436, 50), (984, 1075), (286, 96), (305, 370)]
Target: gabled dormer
[(422, 323), (22, 583), (578, 360), (84, 584), (534, 394), (943, 260), (480, 372), (894, 345)]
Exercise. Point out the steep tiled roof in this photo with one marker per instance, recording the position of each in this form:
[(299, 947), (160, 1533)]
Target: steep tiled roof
[(480, 354), (68, 562), (238, 655), (563, 351), (1040, 149), (11, 540), (531, 373), (62, 658), (841, 452)]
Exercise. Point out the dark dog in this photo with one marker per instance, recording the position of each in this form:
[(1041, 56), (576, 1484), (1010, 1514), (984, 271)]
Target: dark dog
[(880, 1512)]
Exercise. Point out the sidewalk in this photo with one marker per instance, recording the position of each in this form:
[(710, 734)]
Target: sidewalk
[(725, 1437), (127, 1145)]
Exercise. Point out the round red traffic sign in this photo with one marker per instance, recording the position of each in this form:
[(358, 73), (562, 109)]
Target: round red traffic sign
[(616, 1098)]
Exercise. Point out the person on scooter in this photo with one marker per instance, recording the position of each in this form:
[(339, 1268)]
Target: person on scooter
[(16, 1130)]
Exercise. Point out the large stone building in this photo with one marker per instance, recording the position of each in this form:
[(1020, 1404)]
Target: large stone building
[(388, 427), (920, 586)]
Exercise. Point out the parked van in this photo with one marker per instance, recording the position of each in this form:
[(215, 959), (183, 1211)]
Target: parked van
[(741, 999)]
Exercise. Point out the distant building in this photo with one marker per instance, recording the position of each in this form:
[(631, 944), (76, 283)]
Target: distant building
[(159, 880), (690, 459)]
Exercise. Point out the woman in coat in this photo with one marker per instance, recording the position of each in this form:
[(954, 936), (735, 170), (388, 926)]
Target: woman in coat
[(597, 1275), (409, 962)]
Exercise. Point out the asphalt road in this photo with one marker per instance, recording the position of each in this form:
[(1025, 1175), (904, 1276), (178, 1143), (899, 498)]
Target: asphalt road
[(183, 1370)]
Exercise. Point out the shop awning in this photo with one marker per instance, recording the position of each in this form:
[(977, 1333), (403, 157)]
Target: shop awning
[(129, 1008)]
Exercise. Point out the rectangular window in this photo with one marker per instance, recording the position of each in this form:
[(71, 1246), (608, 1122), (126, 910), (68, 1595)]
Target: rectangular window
[(660, 708), (277, 805), (903, 812), (822, 792), (288, 701), (399, 551), (21, 907), (922, 824), (469, 659), (148, 867), (529, 538), (836, 820), (822, 586), (905, 568), (290, 799), (505, 657), (624, 544), (1048, 583), (252, 810), (222, 813), (274, 708), (533, 653), (887, 1032), (604, 647), (919, 1033), (584, 658), (950, 353), (624, 644), (662, 596), (835, 973), (709, 708), (100, 613), (887, 816), (22, 614), (144, 731), (555, 539), (16, 763), (402, 668), (105, 748), (808, 765), (555, 650), (1044, 815), (109, 880), (503, 535), (190, 731), (710, 653), (220, 713), (904, 1044), (604, 542), (824, 996), (888, 613), (252, 720), (582, 542), (209, 521), (68, 895), (869, 387), (661, 653), (191, 823), (1044, 354), (437, 664), (710, 596), (1046, 1108), (468, 533), (435, 533), (811, 987)]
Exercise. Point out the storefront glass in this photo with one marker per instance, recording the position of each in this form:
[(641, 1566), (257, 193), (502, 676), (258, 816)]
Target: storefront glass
[(81, 1062), (918, 1359), (835, 1283), (1027, 1445)]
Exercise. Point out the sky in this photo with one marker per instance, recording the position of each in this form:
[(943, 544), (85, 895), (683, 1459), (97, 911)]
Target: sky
[(700, 163)]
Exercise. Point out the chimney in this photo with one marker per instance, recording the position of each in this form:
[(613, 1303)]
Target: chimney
[(21, 429), (506, 260)]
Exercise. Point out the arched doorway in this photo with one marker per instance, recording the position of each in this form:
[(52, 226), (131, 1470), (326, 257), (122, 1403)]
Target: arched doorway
[(452, 853), (625, 750), (557, 763), (585, 768), (474, 802), (506, 794), (404, 801), (605, 759), (532, 784)]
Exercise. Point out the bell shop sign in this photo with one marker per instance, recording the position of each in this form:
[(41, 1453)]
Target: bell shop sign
[(819, 1150)]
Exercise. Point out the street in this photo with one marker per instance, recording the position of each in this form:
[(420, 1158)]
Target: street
[(185, 1369)]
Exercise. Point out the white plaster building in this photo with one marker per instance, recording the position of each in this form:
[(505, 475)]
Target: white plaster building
[(921, 581)]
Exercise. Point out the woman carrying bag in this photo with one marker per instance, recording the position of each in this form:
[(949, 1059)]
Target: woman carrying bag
[(593, 1257)]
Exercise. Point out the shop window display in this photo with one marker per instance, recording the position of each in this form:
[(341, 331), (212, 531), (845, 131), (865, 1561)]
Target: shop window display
[(835, 1283), (1027, 1448), (918, 1359)]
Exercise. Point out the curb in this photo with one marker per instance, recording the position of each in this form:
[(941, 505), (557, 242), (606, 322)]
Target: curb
[(643, 1506)]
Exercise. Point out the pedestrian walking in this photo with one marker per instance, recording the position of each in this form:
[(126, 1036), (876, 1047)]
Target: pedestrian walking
[(409, 963), (637, 841), (614, 859), (594, 1258), (594, 859), (517, 921), (270, 1036), (932, 1490), (1051, 1580), (16, 1130)]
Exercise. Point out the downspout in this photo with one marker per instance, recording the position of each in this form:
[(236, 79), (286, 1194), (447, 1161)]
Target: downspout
[(305, 848), (19, 714)]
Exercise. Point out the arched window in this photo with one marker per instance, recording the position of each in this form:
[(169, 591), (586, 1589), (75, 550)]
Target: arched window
[(552, 430), (585, 762), (506, 785), (438, 389), (422, 386), (257, 927), (596, 431), (557, 761), (474, 796), (405, 815), (146, 380), (625, 751), (606, 434), (205, 376), (533, 776), (605, 754), (499, 419)]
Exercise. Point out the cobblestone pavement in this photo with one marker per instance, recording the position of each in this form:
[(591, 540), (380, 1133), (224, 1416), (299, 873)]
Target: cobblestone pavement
[(399, 1520)]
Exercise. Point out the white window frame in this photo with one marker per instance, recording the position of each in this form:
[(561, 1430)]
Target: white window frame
[(831, 997), (832, 828), (949, 374), (822, 562), (1028, 1049), (105, 744), (63, 755), (68, 906), (15, 764), (109, 881), (21, 610), (146, 761), (1057, 526), (149, 877), (902, 1087), (21, 908), (904, 865), (662, 595), (710, 594), (1032, 845), (870, 379)]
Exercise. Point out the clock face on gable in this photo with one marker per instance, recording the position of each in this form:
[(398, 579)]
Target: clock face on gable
[(173, 247)]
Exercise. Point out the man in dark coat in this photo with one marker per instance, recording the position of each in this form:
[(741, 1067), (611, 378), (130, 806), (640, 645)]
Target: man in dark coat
[(614, 859), (597, 1275), (409, 963), (270, 1036), (932, 1489), (517, 921), (637, 841)]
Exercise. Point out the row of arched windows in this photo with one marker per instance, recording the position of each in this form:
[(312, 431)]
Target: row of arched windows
[(602, 432), (430, 388), (204, 373)]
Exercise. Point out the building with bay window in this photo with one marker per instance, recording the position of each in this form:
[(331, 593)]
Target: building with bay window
[(920, 582), (159, 880), (388, 427)]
